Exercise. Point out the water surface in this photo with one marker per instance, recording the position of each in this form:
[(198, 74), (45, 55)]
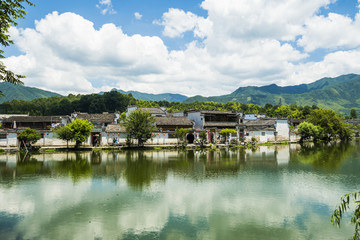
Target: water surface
[(276, 192)]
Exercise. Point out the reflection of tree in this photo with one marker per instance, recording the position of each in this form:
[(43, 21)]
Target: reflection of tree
[(140, 171), (28, 164), (323, 156), (77, 169)]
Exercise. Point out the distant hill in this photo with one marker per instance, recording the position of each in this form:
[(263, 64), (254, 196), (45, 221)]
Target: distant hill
[(340, 94), (170, 97), (21, 92)]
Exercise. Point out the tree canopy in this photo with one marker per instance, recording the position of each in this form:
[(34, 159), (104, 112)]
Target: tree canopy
[(28, 136), (331, 124), (81, 130), (10, 11), (140, 125), (64, 133)]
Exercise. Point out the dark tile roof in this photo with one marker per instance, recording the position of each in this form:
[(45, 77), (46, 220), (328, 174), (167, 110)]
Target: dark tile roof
[(115, 128), (95, 118), (53, 119), (173, 121), (220, 124), (259, 123), (218, 112), (154, 110)]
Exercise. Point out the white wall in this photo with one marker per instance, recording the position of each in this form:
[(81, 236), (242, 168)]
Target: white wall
[(197, 118), (269, 136), (282, 129), (10, 141)]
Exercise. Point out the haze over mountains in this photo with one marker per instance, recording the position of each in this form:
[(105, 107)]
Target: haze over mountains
[(340, 94)]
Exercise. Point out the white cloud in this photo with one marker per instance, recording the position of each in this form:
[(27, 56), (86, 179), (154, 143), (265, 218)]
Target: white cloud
[(176, 22), (106, 7), (239, 43), (138, 16), (331, 32)]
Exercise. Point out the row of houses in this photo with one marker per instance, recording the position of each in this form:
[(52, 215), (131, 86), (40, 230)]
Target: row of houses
[(108, 131)]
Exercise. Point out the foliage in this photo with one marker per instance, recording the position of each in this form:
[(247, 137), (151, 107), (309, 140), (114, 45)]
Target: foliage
[(28, 136), (203, 136), (93, 103), (309, 130), (64, 133), (353, 113), (345, 206), (81, 130), (332, 125), (10, 11), (226, 132), (180, 133), (140, 125)]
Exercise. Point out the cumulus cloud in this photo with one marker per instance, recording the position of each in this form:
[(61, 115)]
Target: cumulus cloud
[(334, 31), (138, 16), (106, 7), (176, 22), (239, 43)]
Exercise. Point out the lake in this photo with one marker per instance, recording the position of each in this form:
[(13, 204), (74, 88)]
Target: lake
[(276, 192)]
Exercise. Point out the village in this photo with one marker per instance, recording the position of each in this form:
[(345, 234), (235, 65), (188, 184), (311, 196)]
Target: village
[(108, 130)]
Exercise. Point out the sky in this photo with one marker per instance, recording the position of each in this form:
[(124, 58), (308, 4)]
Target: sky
[(190, 47)]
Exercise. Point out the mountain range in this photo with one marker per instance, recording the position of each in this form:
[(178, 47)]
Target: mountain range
[(170, 97), (340, 94), (21, 92)]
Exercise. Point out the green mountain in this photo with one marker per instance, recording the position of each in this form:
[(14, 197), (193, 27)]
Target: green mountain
[(340, 94), (170, 97), (21, 92)]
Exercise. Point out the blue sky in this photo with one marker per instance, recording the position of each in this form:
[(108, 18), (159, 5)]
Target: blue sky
[(206, 47)]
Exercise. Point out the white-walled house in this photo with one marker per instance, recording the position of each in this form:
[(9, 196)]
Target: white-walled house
[(265, 130)]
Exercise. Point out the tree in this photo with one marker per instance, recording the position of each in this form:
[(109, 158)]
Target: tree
[(226, 132), (331, 123), (27, 137), (309, 130), (180, 133), (10, 11), (353, 113), (64, 133), (343, 207), (81, 130), (140, 125)]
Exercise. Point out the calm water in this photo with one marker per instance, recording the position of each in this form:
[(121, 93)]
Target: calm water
[(273, 193)]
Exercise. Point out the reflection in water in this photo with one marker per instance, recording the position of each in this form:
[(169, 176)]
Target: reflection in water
[(324, 156), (279, 192)]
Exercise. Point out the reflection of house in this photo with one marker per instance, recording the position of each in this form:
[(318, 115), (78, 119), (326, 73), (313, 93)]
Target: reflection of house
[(35, 122), (265, 130), (171, 123), (156, 111)]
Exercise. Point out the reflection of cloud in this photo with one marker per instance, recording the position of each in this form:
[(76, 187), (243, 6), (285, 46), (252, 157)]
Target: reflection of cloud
[(251, 204)]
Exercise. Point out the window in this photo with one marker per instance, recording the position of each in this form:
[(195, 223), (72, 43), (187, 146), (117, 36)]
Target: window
[(262, 133), (2, 135)]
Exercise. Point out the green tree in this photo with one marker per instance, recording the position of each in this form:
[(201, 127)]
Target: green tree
[(344, 206), (64, 133), (226, 132), (10, 11), (81, 130), (331, 123), (203, 137), (180, 134), (140, 125), (27, 137), (309, 130), (353, 113)]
